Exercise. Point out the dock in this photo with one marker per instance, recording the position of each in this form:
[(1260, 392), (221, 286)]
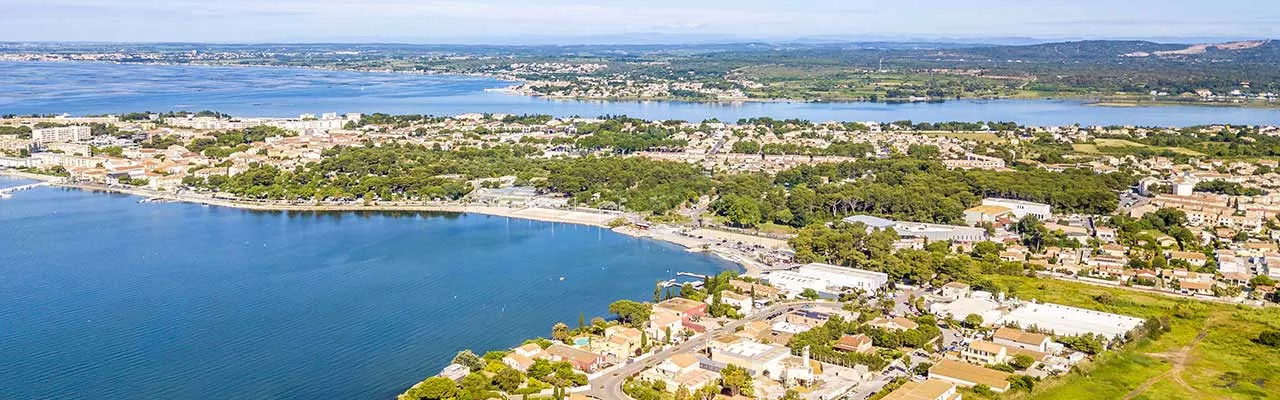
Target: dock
[(9, 191)]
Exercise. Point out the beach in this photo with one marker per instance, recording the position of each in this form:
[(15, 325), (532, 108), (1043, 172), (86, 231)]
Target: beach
[(730, 246)]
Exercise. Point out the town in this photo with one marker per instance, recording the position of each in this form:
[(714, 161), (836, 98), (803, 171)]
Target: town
[(914, 294)]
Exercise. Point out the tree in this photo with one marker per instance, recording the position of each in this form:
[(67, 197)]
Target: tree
[(633, 313), (1021, 382), (682, 393), (810, 294), (983, 390), (436, 387), (470, 360), (737, 380), (708, 392), (1022, 361), (973, 321), (476, 383), (508, 379), (922, 369), (560, 331)]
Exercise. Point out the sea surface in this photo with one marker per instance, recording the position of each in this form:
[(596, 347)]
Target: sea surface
[(103, 297), (82, 88)]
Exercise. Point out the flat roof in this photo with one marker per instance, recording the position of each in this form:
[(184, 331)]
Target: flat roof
[(1064, 320), (989, 209), (1013, 201), (970, 373), (1020, 336), (930, 389)]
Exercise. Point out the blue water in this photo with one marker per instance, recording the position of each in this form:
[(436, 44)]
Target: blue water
[(101, 88), (106, 298)]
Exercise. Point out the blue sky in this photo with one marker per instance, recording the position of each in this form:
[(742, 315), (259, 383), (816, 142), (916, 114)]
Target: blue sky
[(522, 20)]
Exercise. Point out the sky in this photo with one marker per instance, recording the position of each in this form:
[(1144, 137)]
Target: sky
[(524, 21)]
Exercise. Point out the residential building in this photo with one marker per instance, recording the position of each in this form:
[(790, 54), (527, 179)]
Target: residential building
[(682, 307), (969, 375), (1021, 339), (755, 357), (73, 133), (854, 343), (582, 360), (985, 353)]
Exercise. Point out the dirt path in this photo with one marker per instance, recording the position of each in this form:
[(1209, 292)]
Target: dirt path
[(1179, 359)]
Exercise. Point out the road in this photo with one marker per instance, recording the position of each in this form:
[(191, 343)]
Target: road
[(609, 386)]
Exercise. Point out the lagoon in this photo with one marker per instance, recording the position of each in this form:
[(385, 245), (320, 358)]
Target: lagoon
[(103, 297), (82, 88)]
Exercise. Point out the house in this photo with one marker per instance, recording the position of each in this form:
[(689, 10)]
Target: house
[(893, 324), (740, 302), (663, 323), (582, 360), (521, 361), (1105, 234), (621, 341), (455, 372), (969, 375), (930, 389), (681, 307), (986, 353), (1021, 339), (1196, 287), (1190, 257), (854, 343), (955, 290), (755, 357), (761, 291), (1113, 250), (682, 369), (807, 318)]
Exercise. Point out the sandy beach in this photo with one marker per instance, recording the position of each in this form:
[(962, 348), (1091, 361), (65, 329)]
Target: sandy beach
[(719, 243)]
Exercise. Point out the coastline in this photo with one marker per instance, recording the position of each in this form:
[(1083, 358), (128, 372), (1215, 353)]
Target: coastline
[(747, 265), (513, 83)]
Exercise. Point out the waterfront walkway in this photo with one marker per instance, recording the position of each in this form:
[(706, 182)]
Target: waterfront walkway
[(6, 192)]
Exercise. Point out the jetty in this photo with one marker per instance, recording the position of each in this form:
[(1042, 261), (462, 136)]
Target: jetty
[(9, 191)]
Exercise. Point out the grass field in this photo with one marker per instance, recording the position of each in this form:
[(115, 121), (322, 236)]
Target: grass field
[(1102, 146), (1208, 353), (986, 137)]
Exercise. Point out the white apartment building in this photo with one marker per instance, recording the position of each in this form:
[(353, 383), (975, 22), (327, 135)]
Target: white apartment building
[(72, 133)]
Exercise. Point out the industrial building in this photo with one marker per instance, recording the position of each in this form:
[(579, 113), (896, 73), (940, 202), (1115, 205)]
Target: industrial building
[(929, 232), (1019, 208), (828, 280)]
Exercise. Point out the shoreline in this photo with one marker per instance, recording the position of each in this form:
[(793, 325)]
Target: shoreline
[(512, 84), (746, 265)]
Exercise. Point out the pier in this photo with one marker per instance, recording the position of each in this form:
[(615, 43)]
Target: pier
[(6, 192), (691, 275)]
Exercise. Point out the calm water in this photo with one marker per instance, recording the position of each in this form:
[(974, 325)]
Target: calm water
[(99, 88), (106, 298)]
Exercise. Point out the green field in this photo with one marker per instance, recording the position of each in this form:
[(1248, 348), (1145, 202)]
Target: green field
[(986, 137), (1208, 354), (1105, 146)]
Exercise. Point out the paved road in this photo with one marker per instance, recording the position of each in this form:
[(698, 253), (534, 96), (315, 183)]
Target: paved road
[(609, 386)]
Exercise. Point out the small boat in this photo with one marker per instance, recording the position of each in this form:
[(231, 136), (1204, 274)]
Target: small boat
[(562, 278)]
